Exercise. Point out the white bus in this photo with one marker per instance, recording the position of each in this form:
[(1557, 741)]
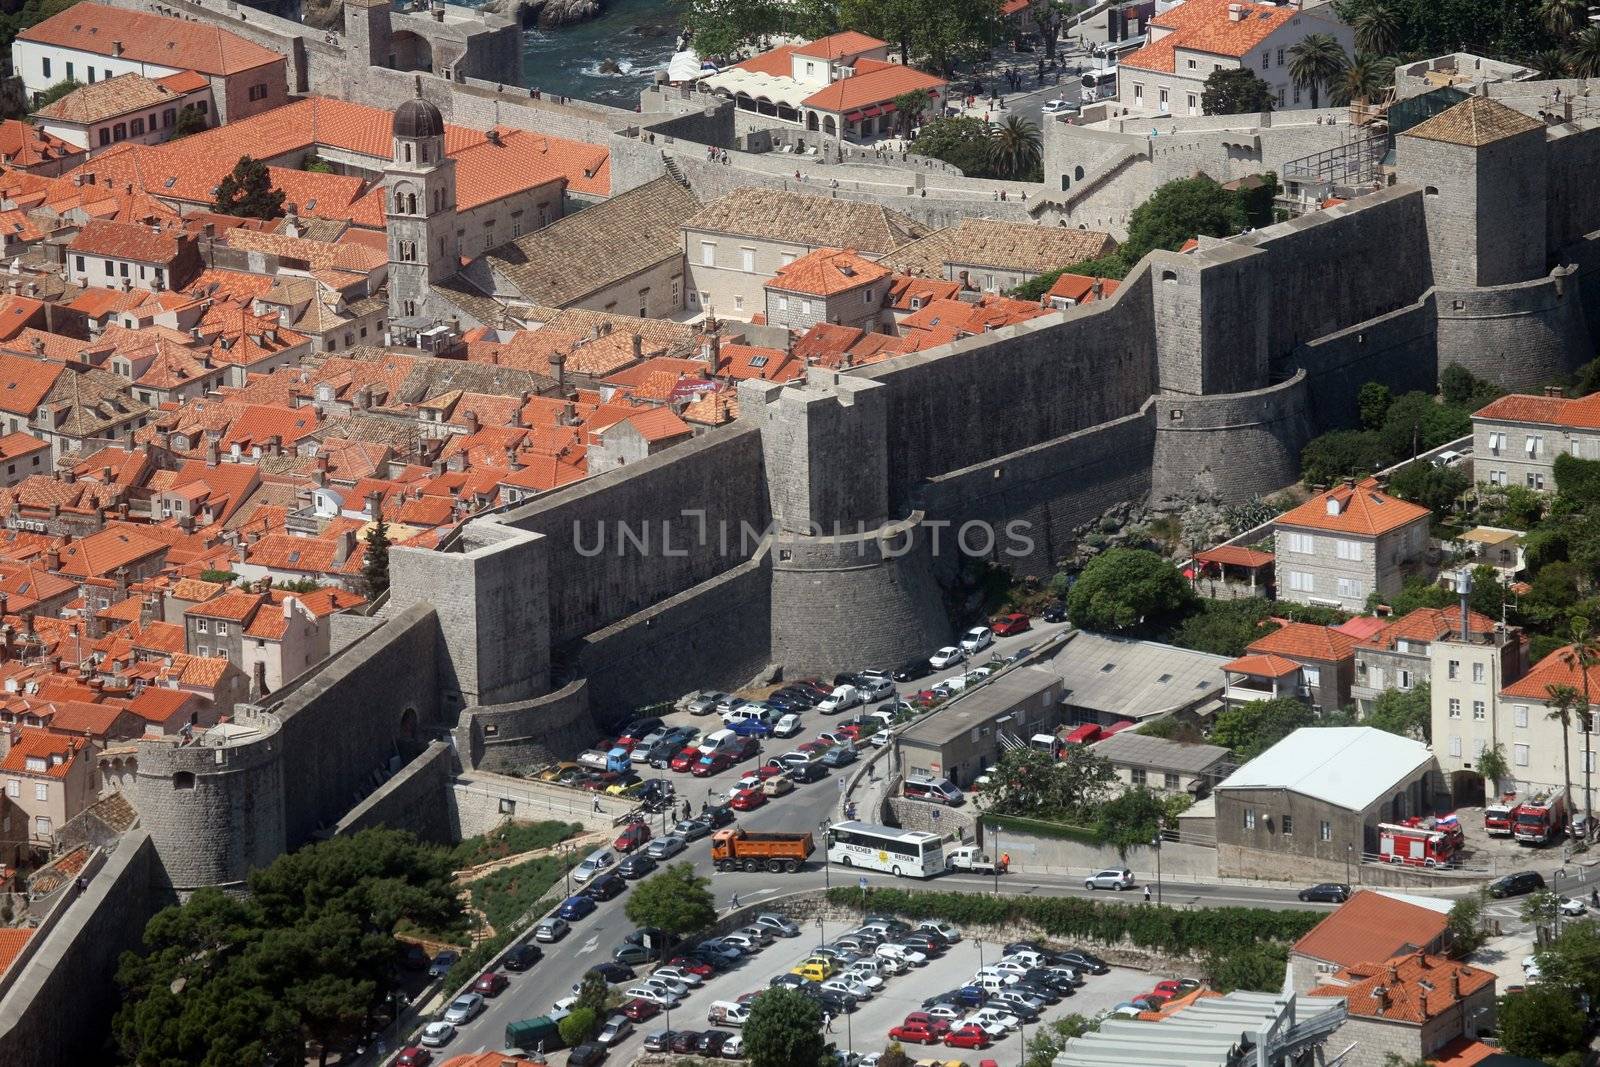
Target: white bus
[(903, 853)]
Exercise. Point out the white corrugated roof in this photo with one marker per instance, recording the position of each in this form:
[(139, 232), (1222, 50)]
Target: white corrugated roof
[(1350, 766)]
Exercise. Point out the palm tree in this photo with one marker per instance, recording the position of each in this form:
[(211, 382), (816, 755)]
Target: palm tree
[(1378, 30), (1014, 151), (1581, 655), (1363, 79), (1316, 62), (1563, 701), (1550, 63), (1561, 17), (1583, 55)]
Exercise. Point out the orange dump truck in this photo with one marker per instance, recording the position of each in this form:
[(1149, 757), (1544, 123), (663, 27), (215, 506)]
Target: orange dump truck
[(735, 849)]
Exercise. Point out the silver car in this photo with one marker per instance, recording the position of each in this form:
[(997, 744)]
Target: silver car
[(664, 848), (778, 924), (551, 929), (616, 1028), (463, 1009), (1110, 878)]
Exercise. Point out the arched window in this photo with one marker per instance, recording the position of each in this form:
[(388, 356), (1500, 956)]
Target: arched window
[(1430, 191), (1077, 173), (423, 149), (408, 152), (411, 203)]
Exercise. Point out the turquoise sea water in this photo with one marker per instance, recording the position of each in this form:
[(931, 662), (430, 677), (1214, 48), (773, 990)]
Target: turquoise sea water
[(637, 34)]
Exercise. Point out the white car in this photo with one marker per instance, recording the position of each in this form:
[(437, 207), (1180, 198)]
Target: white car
[(743, 942), (666, 984), (435, 1035), (991, 976), (1009, 966), (949, 931), (653, 994), (787, 726), (841, 699), (902, 953), (1573, 906), (1110, 878), (678, 974), (996, 1017), (881, 738), (994, 1029), (749, 781), (891, 965), (463, 1009), (841, 983), (597, 862), (561, 1009), (1530, 968), (733, 1048), (1058, 107), (1026, 958), (867, 977), (948, 656), (977, 639), (948, 1012)]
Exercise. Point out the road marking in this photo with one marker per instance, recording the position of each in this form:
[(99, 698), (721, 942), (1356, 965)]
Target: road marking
[(590, 945)]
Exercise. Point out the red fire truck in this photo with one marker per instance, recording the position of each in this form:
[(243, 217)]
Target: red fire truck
[(1497, 814), (1541, 817), (1416, 846), (1448, 825)]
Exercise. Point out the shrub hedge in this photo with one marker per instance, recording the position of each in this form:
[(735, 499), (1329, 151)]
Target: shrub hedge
[(1041, 828), (1170, 930)]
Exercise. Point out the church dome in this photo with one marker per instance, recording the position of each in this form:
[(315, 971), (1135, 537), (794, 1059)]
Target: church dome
[(418, 118)]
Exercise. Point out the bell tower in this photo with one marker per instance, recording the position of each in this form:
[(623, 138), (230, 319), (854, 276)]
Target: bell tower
[(419, 187)]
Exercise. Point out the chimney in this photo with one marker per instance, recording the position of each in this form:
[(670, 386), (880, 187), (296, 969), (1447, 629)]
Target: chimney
[(1554, 391), (116, 48), (163, 441), (37, 344), (52, 560), (374, 505), (1381, 995), (1236, 12), (638, 348), (213, 454), (147, 611), (1464, 591), (965, 278), (469, 419), (344, 545), (1455, 985), (493, 136), (258, 679), (558, 363)]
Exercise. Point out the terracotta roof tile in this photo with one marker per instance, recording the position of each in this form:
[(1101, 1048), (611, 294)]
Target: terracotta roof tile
[(873, 87), (148, 38), (1262, 666), (845, 44), (1475, 122), (1415, 987), (813, 221), (31, 743), (1583, 413), (12, 941), (1372, 926), (1362, 509), (23, 144), (827, 272), (102, 100), (1427, 625), (1552, 670), (126, 240), (1205, 26), (1302, 640)]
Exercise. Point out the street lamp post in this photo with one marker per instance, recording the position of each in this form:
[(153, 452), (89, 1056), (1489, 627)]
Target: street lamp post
[(1022, 1041), (1155, 843), (996, 861), (566, 866), (1348, 850)]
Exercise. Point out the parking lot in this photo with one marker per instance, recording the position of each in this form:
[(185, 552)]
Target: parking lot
[(866, 1029)]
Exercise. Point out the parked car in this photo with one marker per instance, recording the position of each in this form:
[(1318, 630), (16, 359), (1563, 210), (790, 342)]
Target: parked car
[(808, 772), (1110, 878), (637, 865), (490, 984), (841, 699), (576, 907), (842, 756), (463, 1009), (1081, 961), (657, 1040), (633, 835), (1014, 623), (875, 685), (552, 929), (692, 829), (715, 763), (919, 1033), (1326, 893), (970, 1035), (1512, 885), (586, 1055), (600, 860), (413, 1056), (911, 670), (1060, 106), (787, 726), (706, 703), (437, 1034), (948, 656), (679, 974), (977, 639), (1056, 612), (777, 787), (521, 957), (615, 1029), (441, 964), (783, 926)]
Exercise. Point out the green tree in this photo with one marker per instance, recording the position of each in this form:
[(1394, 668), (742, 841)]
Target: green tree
[(1581, 656), (1014, 151), (375, 563), (1541, 1021), (897, 21), (909, 109), (1259, 200), (1125, 590), (1315, 63), (1408, 713), (1179, 210), (784, 1030), (190, 120), (1258, 968), (1133, 818), (1378, 30), (1225, 627), (1416, 422), (1028, 782), (1493, 768), (1251, 729), (1572, 961), (1457, 384), (1435, 488), (247, 192), (1465, 923), (1363, 78), (1550, 63), (1562, 17), (579, 1026), (1562, 702), (677, 901), (1047, 1041), (1342, 453), (1236, 91), (1110, 266), (1540, 909), (1373, 402), (56, 92), (1583, 54), (961, 142), (317, 165)]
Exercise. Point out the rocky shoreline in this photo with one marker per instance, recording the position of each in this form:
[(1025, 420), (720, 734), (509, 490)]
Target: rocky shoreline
[(545, 14)]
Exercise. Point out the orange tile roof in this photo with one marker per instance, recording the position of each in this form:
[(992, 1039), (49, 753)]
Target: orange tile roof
[(1262, 666), (1080, 288), (157, 704), (14, 939), (23, 144), (840, 45), (1416, 987), (1583, 413), (82, 717), (1364, 509), (875, 87), (24, 382), (1460, 1052), (1205, 26), (185, 81), (1235, 556), (745, 362), (29, 742), (522, 160), (1303, 640), (1371, 926), (17, 444), (777, 61), (236, 605), (1553, 670), (126, 240), (100, 554), (827, 272), (1427, 624), (147, 38)]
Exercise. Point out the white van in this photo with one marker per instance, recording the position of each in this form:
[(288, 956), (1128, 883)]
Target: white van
[(715, 740), (933, 790), (991, 981), (727, 1013), (749, 712)]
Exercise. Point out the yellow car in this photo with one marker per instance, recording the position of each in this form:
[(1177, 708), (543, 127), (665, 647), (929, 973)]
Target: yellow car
[(561, 772), (814, 969), (777, 786)]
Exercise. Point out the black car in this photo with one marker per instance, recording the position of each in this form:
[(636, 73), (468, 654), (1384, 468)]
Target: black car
[(606, 887), (923, 944), (586, 1055), (806, 698), (1516, 884), (659, 1040), (1045, 991), (1022, 946), (1327, 893), (911, 670), (1056, 612), (610, 973), (811, 771), (638, 728), (720, 816), (846, 678), (685, 1041), (711, 1042), (831, 1002), (521, 957), (1059, 983), (1083, 961), (789, 981), (636, 866)]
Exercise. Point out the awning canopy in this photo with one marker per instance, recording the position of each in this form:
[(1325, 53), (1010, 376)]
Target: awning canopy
[(738, 82)]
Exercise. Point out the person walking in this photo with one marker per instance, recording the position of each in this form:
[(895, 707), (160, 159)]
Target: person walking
[(1147, 894), (734, 903)]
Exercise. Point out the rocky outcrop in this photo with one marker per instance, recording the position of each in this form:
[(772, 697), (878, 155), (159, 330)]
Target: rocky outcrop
[(322, 14), (546, 14)]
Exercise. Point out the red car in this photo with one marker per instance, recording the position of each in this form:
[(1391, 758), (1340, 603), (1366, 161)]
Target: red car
[(638, 1009), (818, 746), (685, 759), (490, 984), (1015, 623), (716, 763), (916, 1033), (413, 1056), (1176, 987), (742, 748), (922, 1018), (632, 836), (968, 1036), (1151, 1001), (926, 698), (699, 968), (747, 800), (769, 771), (851, 730)]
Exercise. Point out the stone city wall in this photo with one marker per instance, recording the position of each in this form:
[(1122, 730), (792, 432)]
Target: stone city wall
[(1522, 336), (528, 733), (1571, 208), (416, 799), (1234, 446), (1397, 349)]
